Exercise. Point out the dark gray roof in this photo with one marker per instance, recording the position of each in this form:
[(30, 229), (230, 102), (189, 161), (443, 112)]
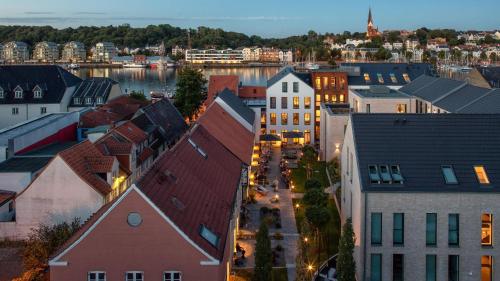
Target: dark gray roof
[(417, 84), (437, 89), (489, 103), (413, 70), (380, 92), (24, 164), (305, 77), (491, 74), (421, 143), (237, 105), (96, 87), (461, 98), (52, 80), (49, 150), (337, 108)]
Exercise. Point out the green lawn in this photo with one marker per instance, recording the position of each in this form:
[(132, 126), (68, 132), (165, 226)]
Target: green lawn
[(278, 274), (299, 176), (331, 232)]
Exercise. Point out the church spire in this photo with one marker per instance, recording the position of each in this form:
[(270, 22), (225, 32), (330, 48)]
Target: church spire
[(370, 20)]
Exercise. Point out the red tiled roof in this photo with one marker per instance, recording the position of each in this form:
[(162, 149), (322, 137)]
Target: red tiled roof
[(5, 196), (252, 92), (229, 132), (86, 160), (130, 131), (96, 118), (145, 154), (109, 145), (193, 190), (217, 83), (117, 109)]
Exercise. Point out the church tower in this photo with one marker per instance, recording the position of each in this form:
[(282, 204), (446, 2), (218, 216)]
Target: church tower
[(371, 30)]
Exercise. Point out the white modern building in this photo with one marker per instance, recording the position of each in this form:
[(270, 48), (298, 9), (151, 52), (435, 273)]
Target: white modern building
[(104, 52), (74, 52), (286, 56), (46, 52), (290, 106), (422, 193), (15, 52), (227, 56)]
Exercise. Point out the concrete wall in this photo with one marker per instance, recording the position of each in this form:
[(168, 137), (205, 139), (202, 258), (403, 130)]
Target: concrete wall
[(331, 134), (154, 245), (276, 91)]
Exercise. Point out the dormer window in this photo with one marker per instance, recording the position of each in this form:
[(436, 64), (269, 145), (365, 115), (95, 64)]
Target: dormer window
[(1, 93), (76, 101), (88, 100), (37, 93), (99, 100), (18, 93)]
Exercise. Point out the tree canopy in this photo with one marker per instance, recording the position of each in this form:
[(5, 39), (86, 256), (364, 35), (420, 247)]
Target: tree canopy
[(263, 255), (190, 91)]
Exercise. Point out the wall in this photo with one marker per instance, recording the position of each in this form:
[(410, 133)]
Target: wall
[(155, 245), (379, 105), (331, 134), (65, 134)]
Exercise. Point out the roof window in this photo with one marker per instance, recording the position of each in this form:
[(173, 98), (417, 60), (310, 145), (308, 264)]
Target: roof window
[(396, 174), (380, 78), (481, 174), (384, 173), (406, 77), (393, 78), (367, 78), (374, 176), (449, 174), (208, 235)]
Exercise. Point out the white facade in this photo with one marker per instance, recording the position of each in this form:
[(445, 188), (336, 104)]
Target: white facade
[(286, 56), (333, 125), (46, 52), (412, 44), (227, 56), (15, 52), (74, 52), (104, 52), (379, 103), (288, 89)]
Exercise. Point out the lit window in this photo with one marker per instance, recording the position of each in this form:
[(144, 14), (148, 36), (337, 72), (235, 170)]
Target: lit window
[(318, 83), (380, 78), (486, 229), (172, 276), (342, 83), (263, 118), (134, 276), (482, 177), (334, 82), (341, 98), (307, 102), (406, 77), (209, 236), (401, 108), (272, 118), (327, 98), (96, 276), (486, 268), (334, 98), (318, 114), (284, 118), (325, 82), (307, 118), (295, 119), (393, 78), (295, 102), (449, 174), (367, 78)]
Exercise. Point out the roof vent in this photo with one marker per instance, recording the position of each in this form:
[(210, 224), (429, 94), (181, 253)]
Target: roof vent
[(170, 176), (178, 204)]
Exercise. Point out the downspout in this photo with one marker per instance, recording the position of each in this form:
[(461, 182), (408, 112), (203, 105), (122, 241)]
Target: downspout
[(364, 237)]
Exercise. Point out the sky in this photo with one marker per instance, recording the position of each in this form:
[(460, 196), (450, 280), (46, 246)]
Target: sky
[(267, 18)]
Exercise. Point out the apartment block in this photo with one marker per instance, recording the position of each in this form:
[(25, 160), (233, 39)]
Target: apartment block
[(46, 52), (74, 52)]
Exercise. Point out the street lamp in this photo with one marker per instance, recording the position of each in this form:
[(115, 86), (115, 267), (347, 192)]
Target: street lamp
[(305, 239)]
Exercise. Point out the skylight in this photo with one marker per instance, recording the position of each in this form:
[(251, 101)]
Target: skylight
[(384, 172), (406, 77), (393, 78), (380, 78), (367, 78), (396, 174), (374, 176), (208, 235), (482, 177), (449, 174), (198, 149)]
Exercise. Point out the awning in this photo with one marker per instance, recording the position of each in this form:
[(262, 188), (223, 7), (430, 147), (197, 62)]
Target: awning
[(293, 135), (269, 137)]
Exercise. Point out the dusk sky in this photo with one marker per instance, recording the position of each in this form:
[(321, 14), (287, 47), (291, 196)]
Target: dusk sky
[(268, 18)]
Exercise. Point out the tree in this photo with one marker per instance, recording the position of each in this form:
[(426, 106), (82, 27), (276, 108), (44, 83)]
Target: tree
[(493, 57), (315, 197), (426, 56), (300, 262), (382, 54), (312, 184), (190, 91), (483, 56), (318, 216), (138, 96), (346, 266), (442, 55), (263, 255), (309, 157)]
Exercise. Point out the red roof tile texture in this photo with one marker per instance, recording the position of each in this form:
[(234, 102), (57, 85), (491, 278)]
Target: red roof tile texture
[(130, 131), (86, 161), (96, 118), (145, 154), (229, 132), (252, 92), (194, 190), (217, 83), (110, 145)]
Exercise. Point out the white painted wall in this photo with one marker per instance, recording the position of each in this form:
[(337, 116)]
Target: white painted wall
[(331, 134), (378, 105), (276, 91)]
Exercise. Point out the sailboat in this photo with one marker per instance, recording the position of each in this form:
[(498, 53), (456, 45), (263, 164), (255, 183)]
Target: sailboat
[(311, 64)]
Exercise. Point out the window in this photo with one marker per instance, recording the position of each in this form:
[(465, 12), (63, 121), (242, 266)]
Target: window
[(272, 118), (262, 117), (376, 267), (453, 265), (96, 276), (341, 98), (398, 232), (396, 174), (43, 110), (18, 93), (384, 174), (307, 136), (76, 101), (486, 268), (380, 78), (406, 77), (296, 119), (325, 82), (431, 229), (376, 229), (318, 115), (342, 83), (334, 82), (334, 98), (307, 118), (374, 175), (172, 276), (368, 108), (449, 174), (397, 267), (208, 235), (295, 102), (99, 100), (401, 108), (15, 110), (272, 102), (37, 93), (284, 87), (482, 177), (318, 83), (295, 87), (284, 102), (430, 268), (453, 230), (327, 98), (307, 102), (367, 78), (88, 100), (486, 229), (134, 276), (1, 93), (284, 118), (393, 78)]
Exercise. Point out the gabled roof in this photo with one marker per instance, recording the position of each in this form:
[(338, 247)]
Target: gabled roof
[(461, 98), (87, 161), (96, 87), (217, 83), (194, 185), (488, 104), (413, 71), (437, 89), (114, 144), (417, 84), (228, 131), (95, 118), (52, 79), (305, 77), (421, 143), (130, 131), (238, 105)]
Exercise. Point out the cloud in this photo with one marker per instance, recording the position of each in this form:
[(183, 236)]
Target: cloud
[(90, 13), (38, 13)]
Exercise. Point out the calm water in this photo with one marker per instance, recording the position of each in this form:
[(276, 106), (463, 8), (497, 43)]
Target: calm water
[(148, 80)]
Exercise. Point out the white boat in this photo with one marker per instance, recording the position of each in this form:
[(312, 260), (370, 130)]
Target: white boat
[(135, 65), (311, 64), (73, 66)]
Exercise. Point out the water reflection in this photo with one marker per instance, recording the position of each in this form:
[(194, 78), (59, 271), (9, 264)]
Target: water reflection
[(148, 80)]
